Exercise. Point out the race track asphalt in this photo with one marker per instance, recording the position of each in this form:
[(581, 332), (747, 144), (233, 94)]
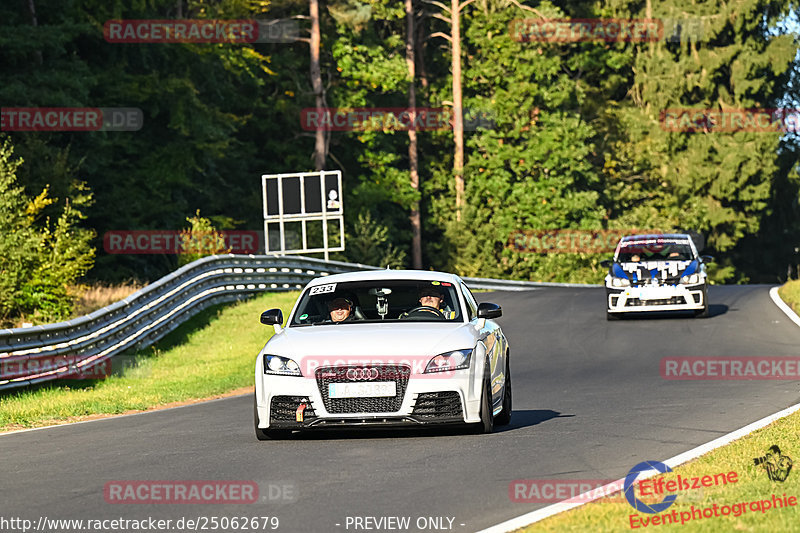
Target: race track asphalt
[(589, 403)]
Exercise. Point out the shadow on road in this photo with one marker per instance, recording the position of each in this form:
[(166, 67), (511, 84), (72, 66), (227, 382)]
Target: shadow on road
[(714, 310), (520, 419), (523, 418)]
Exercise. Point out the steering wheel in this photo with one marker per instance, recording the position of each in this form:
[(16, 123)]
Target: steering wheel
[(425, 310)]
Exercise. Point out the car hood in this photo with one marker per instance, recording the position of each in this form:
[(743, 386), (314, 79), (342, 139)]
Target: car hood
[(661, 270), (372, 340)]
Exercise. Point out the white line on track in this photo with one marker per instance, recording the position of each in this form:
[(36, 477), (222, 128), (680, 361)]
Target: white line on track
[(776, 299), (597, 493)]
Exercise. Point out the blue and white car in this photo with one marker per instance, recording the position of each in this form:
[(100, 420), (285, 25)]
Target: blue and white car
[(661, 272), (395, 360)]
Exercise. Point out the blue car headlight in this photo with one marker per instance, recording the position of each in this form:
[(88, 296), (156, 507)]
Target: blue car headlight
[(283, 366), (455, 360)]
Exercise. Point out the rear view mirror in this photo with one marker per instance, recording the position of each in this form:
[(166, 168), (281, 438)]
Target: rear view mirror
[(380, 292), (606, 263), (489, 310), (707, 258), (272, 317)]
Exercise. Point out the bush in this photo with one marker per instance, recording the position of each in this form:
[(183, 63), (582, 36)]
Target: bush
[(199, 240), (39, 259), (369, 244)]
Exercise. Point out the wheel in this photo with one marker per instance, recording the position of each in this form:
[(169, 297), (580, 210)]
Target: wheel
[(268, 434), (486, 425), (703, 313), (504, 418), (612, 316)]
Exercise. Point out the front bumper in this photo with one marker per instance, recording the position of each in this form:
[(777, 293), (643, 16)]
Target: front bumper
[(655, 298), (423, 400)]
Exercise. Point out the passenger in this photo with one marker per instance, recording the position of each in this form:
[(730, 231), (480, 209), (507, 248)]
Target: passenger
[(341, 310)]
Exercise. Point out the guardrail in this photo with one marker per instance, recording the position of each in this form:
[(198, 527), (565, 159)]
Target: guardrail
[(40, 353)]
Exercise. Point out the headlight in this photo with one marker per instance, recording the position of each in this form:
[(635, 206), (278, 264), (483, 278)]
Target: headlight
[(620, 282), (275, 364), (449, 361), (691, 279)]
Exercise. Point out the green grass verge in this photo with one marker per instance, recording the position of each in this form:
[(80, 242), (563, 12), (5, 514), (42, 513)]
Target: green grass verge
[(211, 354), (753, 484), (790, 293)]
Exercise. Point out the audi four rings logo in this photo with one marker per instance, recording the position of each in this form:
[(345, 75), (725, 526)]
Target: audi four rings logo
[(362, 374)]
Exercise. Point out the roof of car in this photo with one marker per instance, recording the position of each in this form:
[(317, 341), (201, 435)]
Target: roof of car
[(673, 236), (379, 275)]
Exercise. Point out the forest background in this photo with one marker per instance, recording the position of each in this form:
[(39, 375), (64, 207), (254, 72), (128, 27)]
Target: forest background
[(575, 139)]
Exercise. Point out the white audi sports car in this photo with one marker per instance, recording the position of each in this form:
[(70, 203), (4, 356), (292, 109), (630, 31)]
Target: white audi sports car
[(383, 348), (660, 272)]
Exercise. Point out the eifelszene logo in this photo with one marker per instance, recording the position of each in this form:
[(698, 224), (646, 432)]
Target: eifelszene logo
[(635, 502)]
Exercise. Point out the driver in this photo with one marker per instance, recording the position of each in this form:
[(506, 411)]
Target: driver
[(432, 296), (341, 310)]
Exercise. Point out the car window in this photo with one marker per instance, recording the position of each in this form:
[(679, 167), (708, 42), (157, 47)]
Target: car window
[(472, 305), (654, 250), (378, 301)]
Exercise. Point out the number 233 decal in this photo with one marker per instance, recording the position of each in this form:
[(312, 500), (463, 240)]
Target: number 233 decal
[(322, 289)]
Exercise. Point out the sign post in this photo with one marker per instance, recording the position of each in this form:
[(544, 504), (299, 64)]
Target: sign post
[(298, 199)]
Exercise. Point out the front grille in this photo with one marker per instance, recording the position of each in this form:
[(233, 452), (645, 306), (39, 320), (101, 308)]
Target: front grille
[(657, 282), (397, 373), (284, 409), (438, 405), (636, 302)]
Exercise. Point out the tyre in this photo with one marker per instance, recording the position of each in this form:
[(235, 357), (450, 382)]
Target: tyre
[(486, 425), (703, 313), (504, 418), (612, 316), (268, 434)]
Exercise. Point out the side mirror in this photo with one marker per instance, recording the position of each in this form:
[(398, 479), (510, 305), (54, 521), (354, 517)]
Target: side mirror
[(272, 317), (707, 258), (489, 310), (605, 263)]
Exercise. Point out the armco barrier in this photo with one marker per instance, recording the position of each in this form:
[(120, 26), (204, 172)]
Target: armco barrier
[(147, 315)]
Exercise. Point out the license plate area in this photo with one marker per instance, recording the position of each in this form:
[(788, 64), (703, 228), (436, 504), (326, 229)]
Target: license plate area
[(646, 293), (373, 389)]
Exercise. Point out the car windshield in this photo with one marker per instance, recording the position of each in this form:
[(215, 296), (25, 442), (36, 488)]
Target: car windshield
[(356, 302), (654, 250)]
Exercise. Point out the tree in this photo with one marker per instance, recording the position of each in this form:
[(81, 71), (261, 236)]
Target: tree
[(39, 259), (320, 147), (531, 169), (413, 156), (454, 39), (715, 182)]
